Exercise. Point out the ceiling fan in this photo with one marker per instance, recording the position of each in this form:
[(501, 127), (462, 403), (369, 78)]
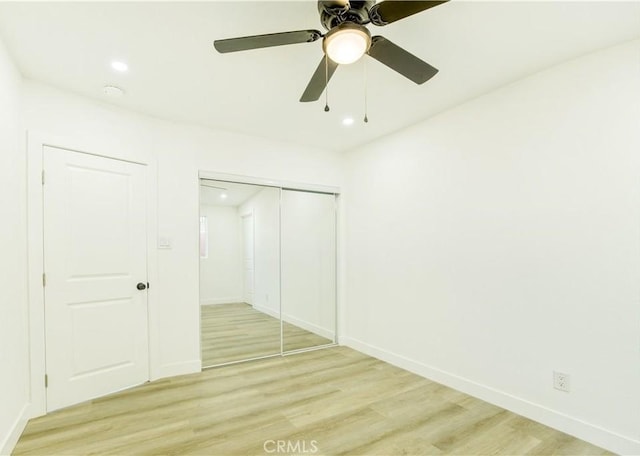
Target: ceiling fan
[(347, 40)]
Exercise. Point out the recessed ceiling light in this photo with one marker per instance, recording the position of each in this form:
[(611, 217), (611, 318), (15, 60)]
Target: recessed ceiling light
[(113, 91), (119, 66), (347, 121), (223, 196)]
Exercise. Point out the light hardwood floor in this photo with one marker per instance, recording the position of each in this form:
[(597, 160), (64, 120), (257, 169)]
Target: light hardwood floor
[(336, 400), (236, 331)]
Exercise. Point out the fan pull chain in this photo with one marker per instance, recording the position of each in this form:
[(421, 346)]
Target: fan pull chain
[(326, 83), (366, 119)]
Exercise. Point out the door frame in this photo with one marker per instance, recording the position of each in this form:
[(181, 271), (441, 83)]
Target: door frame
[(243, 217), (36, 141)]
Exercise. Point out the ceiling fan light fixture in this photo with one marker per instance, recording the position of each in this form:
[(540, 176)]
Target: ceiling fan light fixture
[(346, 43)]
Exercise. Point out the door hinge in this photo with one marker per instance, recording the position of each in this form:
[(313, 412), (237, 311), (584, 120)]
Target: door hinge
[(46, 381), (44, 279), (42, 177)]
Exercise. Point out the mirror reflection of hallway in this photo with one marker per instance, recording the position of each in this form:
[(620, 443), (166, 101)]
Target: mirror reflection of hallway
[(239, 271)]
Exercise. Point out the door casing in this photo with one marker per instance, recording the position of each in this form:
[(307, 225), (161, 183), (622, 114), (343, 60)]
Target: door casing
[(36, 142), (100, 289), (246, 219)]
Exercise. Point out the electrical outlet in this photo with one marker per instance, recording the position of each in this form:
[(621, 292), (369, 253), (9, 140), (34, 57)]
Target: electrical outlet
[(561, 381)]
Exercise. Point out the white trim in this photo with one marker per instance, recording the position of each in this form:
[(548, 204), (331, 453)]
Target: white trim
[(243, 217), (35, 248), (36, 141), (312, 327), (280, 270), (586, 431), (9, 443), (218, 301), (340, 292), (268, 182), (271, 312), (199, 263)]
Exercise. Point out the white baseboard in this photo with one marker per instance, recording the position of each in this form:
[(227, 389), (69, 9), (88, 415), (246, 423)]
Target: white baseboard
[(586, 431), (320, 331), (271, 312), (8, 444), (297, 322), (209, 302), (182, 368)]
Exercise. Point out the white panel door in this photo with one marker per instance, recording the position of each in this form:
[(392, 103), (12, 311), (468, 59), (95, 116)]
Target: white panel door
[(94, 257), (247, 257)]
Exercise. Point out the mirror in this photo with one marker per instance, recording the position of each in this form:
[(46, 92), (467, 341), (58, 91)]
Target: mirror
[(239, 272), (308, 268)]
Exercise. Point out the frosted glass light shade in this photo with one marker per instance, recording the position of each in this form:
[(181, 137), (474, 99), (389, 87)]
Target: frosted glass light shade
[(346, 43)]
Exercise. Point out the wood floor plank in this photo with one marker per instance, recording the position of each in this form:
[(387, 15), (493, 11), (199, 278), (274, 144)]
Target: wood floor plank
[(236, 331), (345, 402)]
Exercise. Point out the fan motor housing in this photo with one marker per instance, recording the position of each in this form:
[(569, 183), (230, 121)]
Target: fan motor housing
[(335, 12)]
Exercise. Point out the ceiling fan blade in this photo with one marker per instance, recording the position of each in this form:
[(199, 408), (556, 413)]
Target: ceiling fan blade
[(319, 80), (262, 41), (393, 10), (396, 58)]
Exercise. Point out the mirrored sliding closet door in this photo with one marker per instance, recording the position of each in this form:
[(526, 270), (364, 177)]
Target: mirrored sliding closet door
[(308, 269), (239, 272), (267, 271)]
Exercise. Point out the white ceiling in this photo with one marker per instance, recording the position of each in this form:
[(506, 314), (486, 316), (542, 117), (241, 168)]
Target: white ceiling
[(236, 194), (176, 74)]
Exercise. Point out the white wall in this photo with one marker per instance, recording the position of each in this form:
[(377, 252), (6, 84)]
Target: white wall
[(14, 379), (500, 241), (221, 279), (265, 207), (308, 266), (176, 152)]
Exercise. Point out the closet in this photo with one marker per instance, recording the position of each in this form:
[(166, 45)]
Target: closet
[(267, 270)]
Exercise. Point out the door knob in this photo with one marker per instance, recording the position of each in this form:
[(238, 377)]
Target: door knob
[(141, 286)]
